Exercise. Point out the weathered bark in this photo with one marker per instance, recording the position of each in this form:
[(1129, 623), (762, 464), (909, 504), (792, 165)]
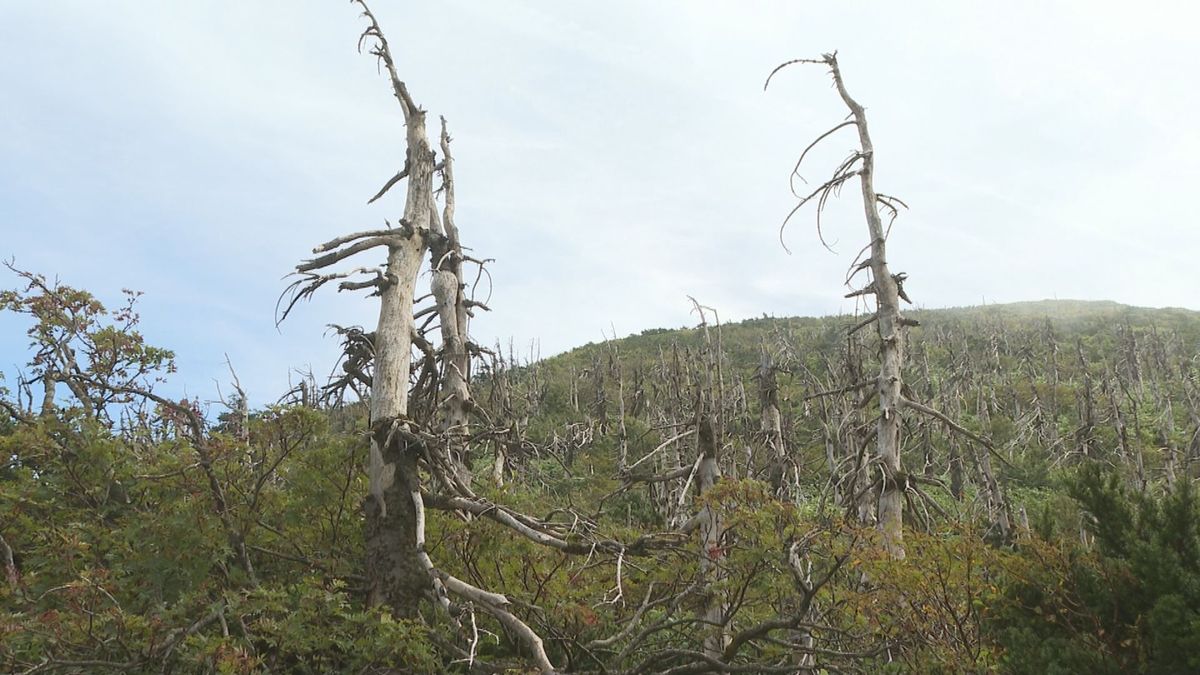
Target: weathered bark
[(446, 285), (998, 509), (574, 390), (499, 464), (400, 574), (600, 401), (1166, 436), (1086, 434), (49, 381), (396, 576), (772, 422), (708, 471), (1131, 452), (956, 470), (711, 553)]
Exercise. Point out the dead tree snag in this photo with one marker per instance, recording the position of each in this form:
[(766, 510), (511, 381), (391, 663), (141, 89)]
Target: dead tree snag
[(888, 291), (396, 573), (446, 285), (771, 421)]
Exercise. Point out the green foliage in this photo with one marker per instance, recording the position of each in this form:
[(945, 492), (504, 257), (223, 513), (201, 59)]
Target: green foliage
[(127, 563), (316, 627), (72, 334), (1128, 605)]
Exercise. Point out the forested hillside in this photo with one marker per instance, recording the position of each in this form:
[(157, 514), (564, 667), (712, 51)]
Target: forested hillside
[(1055, 528), (1044, 384)]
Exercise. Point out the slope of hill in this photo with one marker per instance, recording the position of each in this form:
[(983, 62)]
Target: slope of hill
[(1046, 383), (631, 500), (1074, 318)]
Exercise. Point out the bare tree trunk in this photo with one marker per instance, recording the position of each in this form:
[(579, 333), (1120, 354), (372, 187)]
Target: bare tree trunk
[(891, 329), (956, 470), (395, 573), (888, 290), (446, 259), (600, 401), (997, 504), (772, 422), (11, 574), (1167, 440), (1086, 435), (574, 390), (400, 574), (1131, 452), (708, 472), (707, 475), (48, 386)]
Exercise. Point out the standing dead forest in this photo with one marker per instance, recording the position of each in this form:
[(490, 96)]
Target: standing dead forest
[(1007, 488)]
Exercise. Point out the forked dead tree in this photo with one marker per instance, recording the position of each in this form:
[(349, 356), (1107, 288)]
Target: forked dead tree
[(400, 573), (421, 413)]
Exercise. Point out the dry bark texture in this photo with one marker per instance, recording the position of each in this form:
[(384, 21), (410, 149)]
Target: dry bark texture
[(395, 573), (772, 421), (446, 285)]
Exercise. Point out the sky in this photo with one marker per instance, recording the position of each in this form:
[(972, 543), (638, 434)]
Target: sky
[(613, 158)]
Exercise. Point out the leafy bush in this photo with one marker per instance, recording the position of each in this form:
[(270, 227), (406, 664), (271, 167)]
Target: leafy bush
[(1126, 605)]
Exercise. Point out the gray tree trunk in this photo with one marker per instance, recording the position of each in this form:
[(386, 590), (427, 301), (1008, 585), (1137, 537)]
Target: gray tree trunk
[(395, 573)]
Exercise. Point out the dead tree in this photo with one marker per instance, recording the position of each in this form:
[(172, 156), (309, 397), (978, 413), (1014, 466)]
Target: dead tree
[(772, 420), (502, 401), (1085, 434), (454, 311), (420, 412), (888, 290), (893, 483), (399, 571), (708, 473), (397, 577)]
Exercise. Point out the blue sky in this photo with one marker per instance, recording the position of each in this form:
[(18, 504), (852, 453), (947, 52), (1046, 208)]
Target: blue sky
[(612, 157)]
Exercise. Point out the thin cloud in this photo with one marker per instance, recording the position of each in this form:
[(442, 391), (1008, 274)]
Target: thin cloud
[(613, 158)]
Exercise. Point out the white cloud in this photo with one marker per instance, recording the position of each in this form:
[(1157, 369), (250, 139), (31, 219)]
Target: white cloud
[(613, 158)]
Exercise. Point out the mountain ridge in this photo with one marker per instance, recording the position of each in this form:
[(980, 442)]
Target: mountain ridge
[(1064, 313)]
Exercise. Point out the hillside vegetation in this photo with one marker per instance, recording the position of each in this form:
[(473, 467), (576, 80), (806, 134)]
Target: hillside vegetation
[(1047, 383), (1054, 531)]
